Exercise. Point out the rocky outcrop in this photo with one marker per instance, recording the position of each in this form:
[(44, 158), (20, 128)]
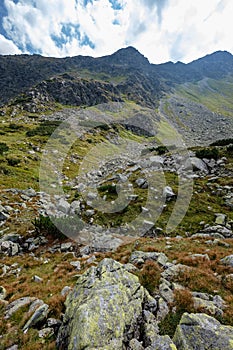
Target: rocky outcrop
[(202, 332), (109, 309), (104, 310)]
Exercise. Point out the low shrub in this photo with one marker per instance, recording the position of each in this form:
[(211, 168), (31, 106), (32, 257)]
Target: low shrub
[(3, 148), (13, 161), (208, 153)]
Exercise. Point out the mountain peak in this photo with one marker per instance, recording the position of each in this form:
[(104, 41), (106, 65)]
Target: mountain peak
[(129, 56)]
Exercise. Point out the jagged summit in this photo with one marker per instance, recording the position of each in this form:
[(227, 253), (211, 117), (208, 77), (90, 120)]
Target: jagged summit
[(128, 56)]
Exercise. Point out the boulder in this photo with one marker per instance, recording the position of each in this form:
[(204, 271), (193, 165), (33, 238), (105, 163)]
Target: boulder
[(37, 318), (198, 164), (227, 260), (168, 193), (104, 310), (202, 332), (139, 257), (16, 305)]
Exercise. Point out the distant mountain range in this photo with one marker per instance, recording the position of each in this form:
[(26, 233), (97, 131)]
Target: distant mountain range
[(202, 89)]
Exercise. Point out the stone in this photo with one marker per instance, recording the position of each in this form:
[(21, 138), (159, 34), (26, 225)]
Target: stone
[(63, 206), (3, 216), (171, 272), (134, 344), (142, 183), (156, 160), (198, 164), (202, 332), (166, 292), (13, 347), (9, 248), (37, 279), (13, 237), (65, 247), (85, 250), (139, 257), (89, 212), (207, 306), (65, 291), (30, 192), (162, 343), (103, 309), (53, 323), (16, 305), (168, 193), (76, 264), (227, 260), (38, 317), (75, 207), (163, 310), (3, 293), (46, 333), (220, 219)]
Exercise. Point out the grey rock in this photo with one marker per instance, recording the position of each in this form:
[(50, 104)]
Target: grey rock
[(53, 323), (9, 248), (46, 333), (138, 257), (85, 250), (65, 247), (37, 279), (168, 193), (171, 272), (162, 343), (13, 347), (103, 309), (38, 317), (166, 292), (142, 183), (220, 219), (75, 207), (227, 260), (198, 164), (13, 237), (63, 206), (16, 305), (134, 344), (156, 160), (30, 192), (202, 332), (66, 290), (162, 311), (89, 212), (3, 216), (3, 293), (76, 264)]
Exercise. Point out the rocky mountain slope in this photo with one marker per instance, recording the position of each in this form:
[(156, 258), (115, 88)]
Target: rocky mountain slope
[(116, 224)]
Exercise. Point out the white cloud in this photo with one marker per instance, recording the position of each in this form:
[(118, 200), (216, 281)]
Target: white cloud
[(7, 47), (162, 30)]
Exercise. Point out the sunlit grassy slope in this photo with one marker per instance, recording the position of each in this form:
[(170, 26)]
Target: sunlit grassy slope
[(214, 94)]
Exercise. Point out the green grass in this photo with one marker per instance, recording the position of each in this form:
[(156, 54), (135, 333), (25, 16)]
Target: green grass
[(216, 95)]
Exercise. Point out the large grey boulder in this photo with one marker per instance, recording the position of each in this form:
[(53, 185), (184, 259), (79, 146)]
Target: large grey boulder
[(227, 260), (104, 310), (202, 332)]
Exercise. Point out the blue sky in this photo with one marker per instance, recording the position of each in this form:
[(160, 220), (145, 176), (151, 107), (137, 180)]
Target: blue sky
[(162, 30)]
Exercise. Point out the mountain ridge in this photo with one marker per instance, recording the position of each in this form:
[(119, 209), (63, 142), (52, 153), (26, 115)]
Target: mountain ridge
[(21, 72)]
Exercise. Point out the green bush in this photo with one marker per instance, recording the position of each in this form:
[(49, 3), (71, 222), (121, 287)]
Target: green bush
[(13, 161), (46, 128), (208, 153), (56, 226), (223, 142), (230, 149), (3, 148)]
